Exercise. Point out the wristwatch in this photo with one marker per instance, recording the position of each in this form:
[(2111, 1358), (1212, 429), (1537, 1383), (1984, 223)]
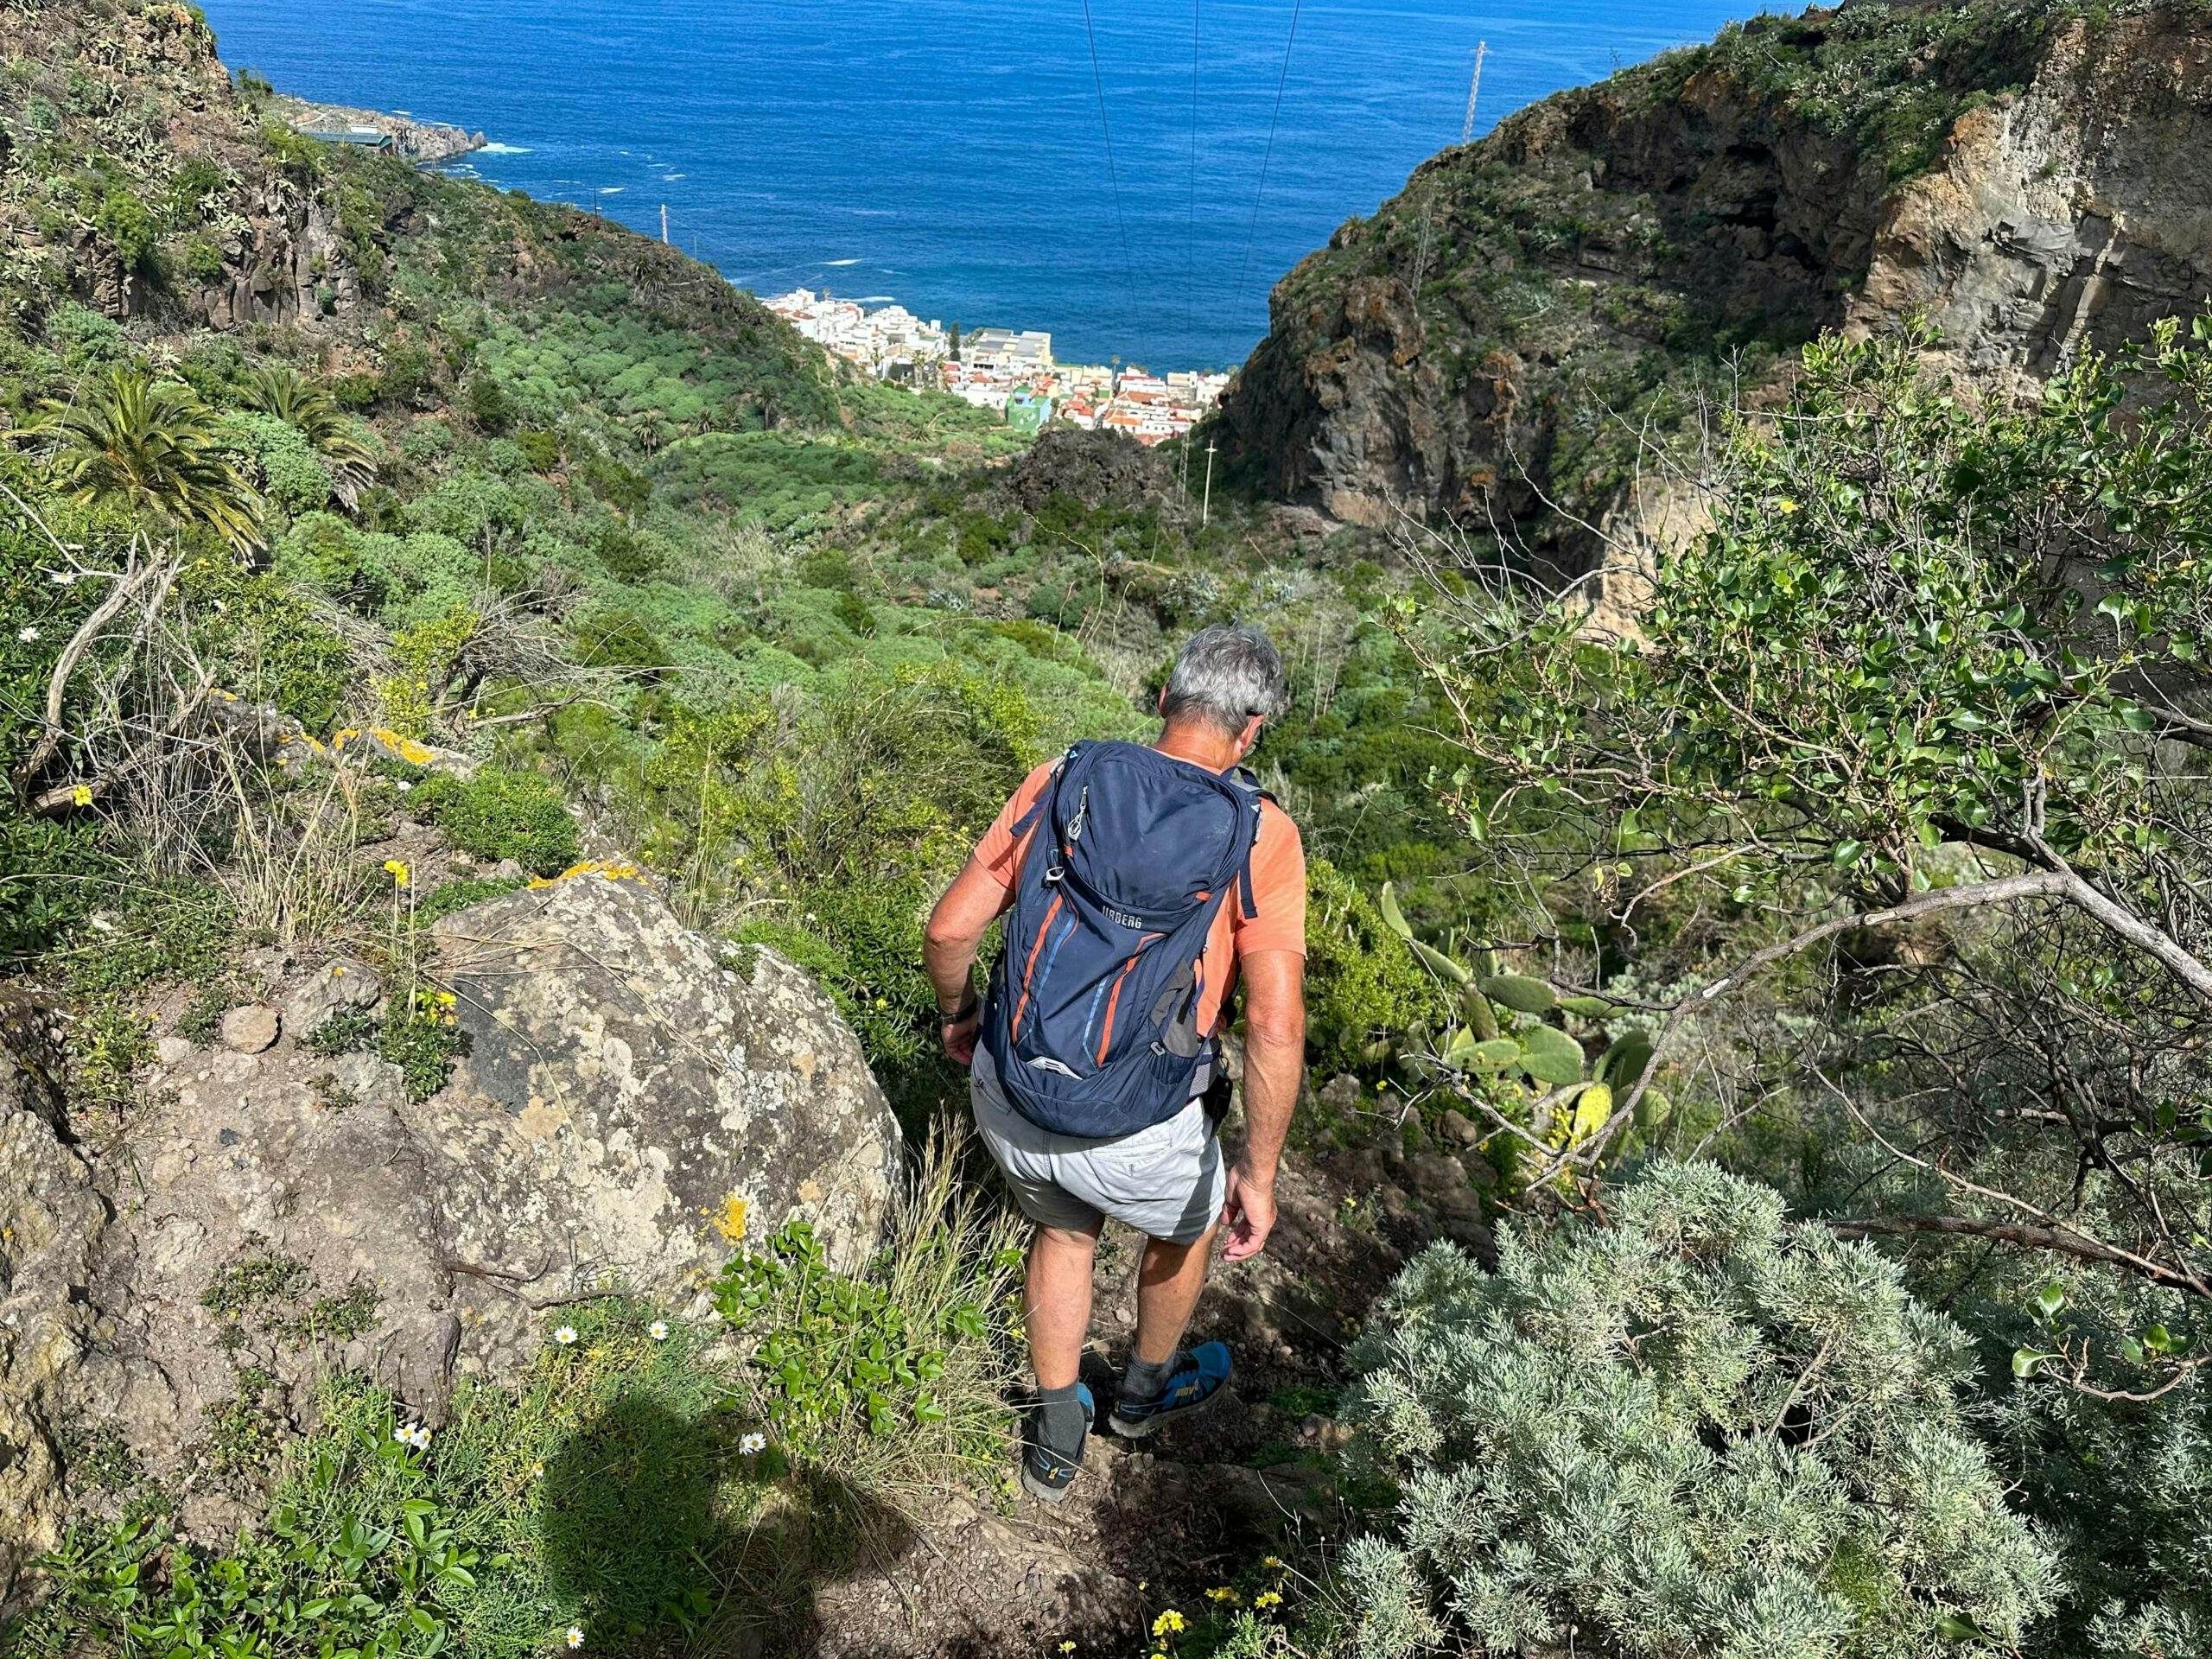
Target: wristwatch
[(968, 1011)]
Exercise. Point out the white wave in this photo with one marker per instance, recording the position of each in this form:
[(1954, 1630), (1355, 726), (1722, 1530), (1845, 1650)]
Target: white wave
[(671, 178), (834, 264), (613, 189), (507, 149), (877, 299)]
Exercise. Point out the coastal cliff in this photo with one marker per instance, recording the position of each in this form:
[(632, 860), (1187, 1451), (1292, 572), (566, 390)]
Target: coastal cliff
[(426, 143), (1519, 339)]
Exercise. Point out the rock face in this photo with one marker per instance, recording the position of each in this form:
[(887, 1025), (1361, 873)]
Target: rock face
[(49, 1216), (1530, 322), (626, 1106), (2073, 215), (622, 1088)]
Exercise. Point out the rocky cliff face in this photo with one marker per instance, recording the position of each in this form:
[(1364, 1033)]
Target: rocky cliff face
[(1517, 340), (626, 1108)]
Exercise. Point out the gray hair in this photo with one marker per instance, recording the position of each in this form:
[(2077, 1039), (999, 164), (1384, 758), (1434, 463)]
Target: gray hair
[(1224, 676)]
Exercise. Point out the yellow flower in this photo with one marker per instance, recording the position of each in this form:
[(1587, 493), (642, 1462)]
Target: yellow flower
[(1266, 1598), (1274, 1563), (1168, 1623), (399, 871), (1785, 506), (1221, 1592), (82, 795), (1067, 1647)]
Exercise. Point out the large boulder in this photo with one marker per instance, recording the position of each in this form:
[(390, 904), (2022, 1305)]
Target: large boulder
[(624, 1109)]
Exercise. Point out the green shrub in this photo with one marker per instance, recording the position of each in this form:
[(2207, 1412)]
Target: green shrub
[(450, 896), (421, 1037), (895, 1381), (175, 928), (609, 1494), (501, 814), (1696, 1430), (1362, 982)]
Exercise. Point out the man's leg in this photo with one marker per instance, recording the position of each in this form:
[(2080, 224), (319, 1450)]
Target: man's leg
[(1169, 1280), (1057, 1293)]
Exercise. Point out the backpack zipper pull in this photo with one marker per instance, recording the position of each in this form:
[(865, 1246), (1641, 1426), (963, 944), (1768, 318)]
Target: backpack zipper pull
[(1081, 808)]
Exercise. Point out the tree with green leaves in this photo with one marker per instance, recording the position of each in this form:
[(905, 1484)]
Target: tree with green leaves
[(1936, 671), (278, 389), (150, 450)]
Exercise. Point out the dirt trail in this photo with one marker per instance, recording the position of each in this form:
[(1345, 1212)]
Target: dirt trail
[(1155, 1523)]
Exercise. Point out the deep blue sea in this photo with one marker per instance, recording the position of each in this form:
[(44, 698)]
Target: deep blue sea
[(951, 154)]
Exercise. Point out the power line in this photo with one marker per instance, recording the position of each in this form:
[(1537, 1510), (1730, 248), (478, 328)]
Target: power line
[(1113, 173), (1273, 121)]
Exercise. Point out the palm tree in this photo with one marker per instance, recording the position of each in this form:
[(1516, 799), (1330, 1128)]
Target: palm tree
[(278, 389), (150, 448)]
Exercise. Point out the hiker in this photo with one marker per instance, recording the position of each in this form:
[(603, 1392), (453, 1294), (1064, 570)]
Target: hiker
[(1140, 885)]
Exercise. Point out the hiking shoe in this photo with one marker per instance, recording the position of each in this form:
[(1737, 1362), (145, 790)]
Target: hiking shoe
[(1196, 1380), (1046, 1474)]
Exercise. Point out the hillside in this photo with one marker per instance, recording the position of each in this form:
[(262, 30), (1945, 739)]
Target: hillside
[(1531, 324)]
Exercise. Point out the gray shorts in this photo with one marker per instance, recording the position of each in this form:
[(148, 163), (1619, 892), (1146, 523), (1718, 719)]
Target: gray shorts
[(1168, 1181)]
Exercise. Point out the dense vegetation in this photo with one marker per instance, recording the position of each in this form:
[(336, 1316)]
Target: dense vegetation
[(1822, 975)]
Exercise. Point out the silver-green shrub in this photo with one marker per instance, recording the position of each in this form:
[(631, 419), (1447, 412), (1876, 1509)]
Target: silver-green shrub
[(1698, 1430)]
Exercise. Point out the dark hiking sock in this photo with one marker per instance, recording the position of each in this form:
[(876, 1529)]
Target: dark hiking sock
[(1059, 1421), (1145, 1380)]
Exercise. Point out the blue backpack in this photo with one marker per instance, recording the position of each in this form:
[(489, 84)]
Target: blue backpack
[(1094, 1008)]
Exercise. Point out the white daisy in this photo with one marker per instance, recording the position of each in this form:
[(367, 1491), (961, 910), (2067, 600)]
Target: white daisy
[(576, 1635), (27, 634), (402, 1434), (657, 1330), (419, 1438), (753, 1443), (62, 578), (566, 1335)]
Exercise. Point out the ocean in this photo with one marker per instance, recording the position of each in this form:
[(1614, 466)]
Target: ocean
[(953, 155)]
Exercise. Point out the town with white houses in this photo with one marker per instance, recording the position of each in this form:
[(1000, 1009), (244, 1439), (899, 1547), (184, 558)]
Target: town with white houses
[(1000, 369)]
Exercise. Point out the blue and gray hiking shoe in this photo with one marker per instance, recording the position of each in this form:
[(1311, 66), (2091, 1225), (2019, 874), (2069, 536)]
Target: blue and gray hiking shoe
[(1046, 1474), (1193, 1380)]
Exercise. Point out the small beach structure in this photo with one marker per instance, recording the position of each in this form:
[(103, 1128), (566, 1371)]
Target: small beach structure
[(366, 137)]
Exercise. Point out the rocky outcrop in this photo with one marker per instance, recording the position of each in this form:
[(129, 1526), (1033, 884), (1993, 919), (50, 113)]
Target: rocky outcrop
[(623, 1108), (425, 142), (1097, 468), (49, 1216), (2073, 215), (1519, 340)]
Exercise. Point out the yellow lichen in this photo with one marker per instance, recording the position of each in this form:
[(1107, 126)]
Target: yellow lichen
[(730, 1221), (601, 867)]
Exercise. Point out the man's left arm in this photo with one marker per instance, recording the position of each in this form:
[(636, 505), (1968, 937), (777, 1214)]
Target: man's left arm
[(1274, 1066)]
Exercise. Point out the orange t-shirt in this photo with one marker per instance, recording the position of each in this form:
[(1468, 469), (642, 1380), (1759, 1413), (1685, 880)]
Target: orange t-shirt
[(1278, 890)]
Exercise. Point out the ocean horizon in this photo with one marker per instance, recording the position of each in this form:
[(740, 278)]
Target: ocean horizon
[(950, 154)]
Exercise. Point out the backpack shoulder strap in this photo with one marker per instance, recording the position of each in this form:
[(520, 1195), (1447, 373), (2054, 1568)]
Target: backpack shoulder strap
[(1242, 779), (1027, 820)]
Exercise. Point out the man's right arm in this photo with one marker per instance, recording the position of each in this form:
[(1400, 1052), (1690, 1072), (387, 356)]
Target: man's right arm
[(949, 942)]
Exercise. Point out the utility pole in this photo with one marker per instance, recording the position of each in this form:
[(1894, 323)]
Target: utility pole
[(664, 224), (1467, 126), (1205, 513)]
